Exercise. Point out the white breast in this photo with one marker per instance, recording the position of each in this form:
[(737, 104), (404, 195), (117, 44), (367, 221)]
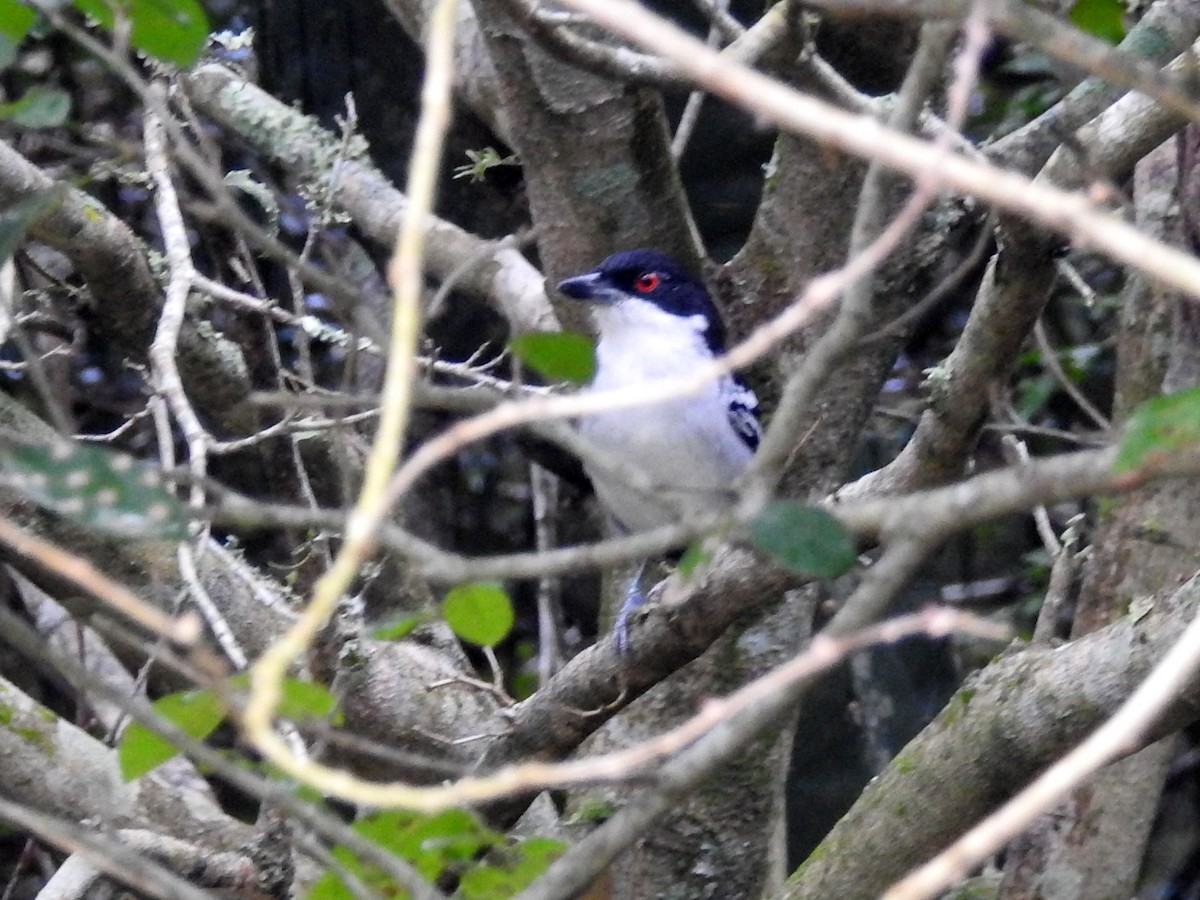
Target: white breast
[(685, 446)]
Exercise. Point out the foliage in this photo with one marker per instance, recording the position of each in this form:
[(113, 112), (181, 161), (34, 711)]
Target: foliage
[(94, 486), (805, 539), (481, 613), (1160, 426), (198, 713), (40, 107), (487, 865), (172, 30), (481, 161), (1103, 18), (558, 355), (18, 218)]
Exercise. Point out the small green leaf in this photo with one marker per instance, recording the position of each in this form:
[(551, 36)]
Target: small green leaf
[(481, 161), (591, 809), (15, 20), (95, 486), (1103, 18), (557, 355), (331, 887), (395, 631), (805, 539), (510, 869), (693, 556), (524, 684), (305, 700), (197, 713), (1161, 425), (172, 30), (41, 107), (299, 699), (432, 843), (17, 219), (480, 613)]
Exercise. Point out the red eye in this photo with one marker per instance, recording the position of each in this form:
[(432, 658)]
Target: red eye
[(646, 282)]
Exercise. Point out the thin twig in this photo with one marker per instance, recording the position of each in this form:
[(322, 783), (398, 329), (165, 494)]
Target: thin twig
[(1054, 367), (106, 854), (166, 338), (372, 506), (1015, 452)]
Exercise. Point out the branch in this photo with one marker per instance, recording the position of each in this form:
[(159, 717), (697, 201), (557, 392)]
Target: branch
[(107, 855), (1072, 215), (717, 733), (1011, 298), (1018, 715), (100, 246), (736, 584), (1050, 34), (1164, 31), (96, 764), (502, 276)]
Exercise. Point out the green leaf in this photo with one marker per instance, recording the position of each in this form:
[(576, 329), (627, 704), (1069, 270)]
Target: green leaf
[(305, 700), (394, 631), (510, 869), (331, 887), (805, 539), (41, 107), (299, 699), (480, 613), (1160, 426), (481, 161), (432, 843), (172, 30), (1103, 18), (17, 219), (557, 355), (197, 713), (692, 557), (95, 486), (15, 20)]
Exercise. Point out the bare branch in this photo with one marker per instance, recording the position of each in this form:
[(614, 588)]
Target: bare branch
[(503, 276), (1069, 214), (107, 855)]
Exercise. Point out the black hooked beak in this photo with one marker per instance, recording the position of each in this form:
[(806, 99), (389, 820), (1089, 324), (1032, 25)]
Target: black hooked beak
[(588, 286)]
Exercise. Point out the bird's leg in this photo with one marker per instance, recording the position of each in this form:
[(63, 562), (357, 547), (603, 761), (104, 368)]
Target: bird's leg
[(633, 599)]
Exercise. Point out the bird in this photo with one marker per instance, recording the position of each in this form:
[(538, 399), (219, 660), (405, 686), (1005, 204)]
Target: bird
[(656, 322)]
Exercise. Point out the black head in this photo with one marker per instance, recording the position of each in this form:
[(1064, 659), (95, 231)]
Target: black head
[(650, 277)]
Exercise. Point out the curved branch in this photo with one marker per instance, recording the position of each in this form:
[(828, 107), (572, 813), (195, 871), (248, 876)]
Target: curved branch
[(501, 276)]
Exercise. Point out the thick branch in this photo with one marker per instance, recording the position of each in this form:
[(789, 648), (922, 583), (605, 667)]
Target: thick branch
[(1008, 722), (88, 782), (1166, 29)]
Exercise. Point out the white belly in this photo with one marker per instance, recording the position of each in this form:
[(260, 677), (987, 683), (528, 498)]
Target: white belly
[(684, 448)]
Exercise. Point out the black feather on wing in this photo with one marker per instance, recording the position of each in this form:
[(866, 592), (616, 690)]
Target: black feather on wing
[(743, 412)]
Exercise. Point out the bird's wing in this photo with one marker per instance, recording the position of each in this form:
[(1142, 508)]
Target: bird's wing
[(743, 412)]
